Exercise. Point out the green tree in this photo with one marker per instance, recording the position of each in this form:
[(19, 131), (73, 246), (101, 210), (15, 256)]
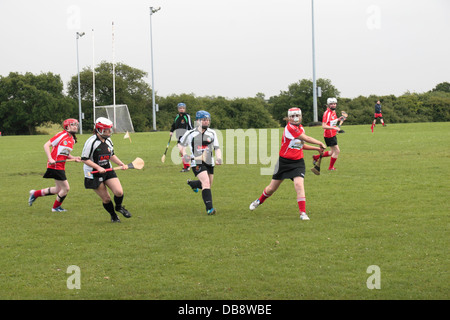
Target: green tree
[(28, 101), (300, 94), (444, 86)]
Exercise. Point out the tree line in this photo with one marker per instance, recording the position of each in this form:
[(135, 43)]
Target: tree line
[(28, 101)]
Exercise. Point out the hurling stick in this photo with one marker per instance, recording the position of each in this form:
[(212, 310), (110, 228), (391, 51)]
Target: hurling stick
[(137, 163), (67, 160), (316, 169), (344, 116), (163, 158)]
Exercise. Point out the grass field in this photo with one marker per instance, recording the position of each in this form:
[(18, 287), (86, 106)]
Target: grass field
[(387, 206)]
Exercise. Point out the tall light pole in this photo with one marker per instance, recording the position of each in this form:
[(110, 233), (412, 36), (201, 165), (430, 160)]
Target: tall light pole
[(314, 66), (152, 11), (79, 35)]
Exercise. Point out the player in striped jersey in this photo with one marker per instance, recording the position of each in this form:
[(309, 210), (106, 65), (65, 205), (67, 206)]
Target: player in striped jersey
[(202, 141), (58, 150), (291, 164)]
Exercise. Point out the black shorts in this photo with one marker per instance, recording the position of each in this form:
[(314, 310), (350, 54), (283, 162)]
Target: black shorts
[(289, 169), (202, 167), (55, 174), (98, 179), (331, 142)]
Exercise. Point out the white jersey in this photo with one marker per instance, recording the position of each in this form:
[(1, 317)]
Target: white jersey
[(201, 145)]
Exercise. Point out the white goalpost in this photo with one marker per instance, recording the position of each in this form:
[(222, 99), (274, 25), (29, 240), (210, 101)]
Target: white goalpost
[(118, 114)]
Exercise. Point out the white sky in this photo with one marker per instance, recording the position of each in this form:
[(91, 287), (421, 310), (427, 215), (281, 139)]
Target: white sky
[(236, 48)]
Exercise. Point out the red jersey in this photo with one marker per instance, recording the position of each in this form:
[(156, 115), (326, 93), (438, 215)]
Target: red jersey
[(330, 118), (291, 145), (62, 144)]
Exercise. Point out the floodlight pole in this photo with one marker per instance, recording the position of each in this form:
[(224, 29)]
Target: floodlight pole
[(79, 35), (314, 66), (152, 11)]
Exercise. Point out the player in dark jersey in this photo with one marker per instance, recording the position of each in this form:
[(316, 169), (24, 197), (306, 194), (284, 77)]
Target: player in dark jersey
[(202, 141), (377, 115), (180, 125), (58, 150), (97, 153)]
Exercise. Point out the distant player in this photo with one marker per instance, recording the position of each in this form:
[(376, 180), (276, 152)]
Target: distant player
[(202, 141), (58, 151), (329, 124), (291, 164), (180, 125), (377, 115)]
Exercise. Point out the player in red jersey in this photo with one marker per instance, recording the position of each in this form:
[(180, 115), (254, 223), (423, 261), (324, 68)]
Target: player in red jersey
[(58, 151), (329, 124), (291, 164)]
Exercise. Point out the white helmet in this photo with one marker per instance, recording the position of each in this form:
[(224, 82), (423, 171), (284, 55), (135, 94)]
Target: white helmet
[(331, 100), (296, 114), (103, 127)]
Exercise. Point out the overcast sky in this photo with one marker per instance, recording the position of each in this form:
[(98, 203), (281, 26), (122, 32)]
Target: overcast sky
[(236, 48)]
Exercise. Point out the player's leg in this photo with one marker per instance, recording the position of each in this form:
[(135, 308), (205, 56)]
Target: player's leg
[(301, 198), (267, 192), (61, 190), (116, 187)]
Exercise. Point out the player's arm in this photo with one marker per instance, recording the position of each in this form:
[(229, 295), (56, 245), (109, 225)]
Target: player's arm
[(309, 139)]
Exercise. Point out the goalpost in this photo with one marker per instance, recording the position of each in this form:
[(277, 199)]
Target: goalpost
[(119, 113)]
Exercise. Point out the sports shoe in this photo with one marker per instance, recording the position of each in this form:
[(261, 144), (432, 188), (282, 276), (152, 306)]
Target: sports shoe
[(124, 211), (303, 216), (211, 211), (115, 218), (254, 204), (185, 169), (58, 209), (332, 169), (193, 189), (32, 198)]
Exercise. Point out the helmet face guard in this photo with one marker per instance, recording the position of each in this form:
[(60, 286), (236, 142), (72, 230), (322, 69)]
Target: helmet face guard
[(203, 119), (71, 123), (103, 127), (295, 115)]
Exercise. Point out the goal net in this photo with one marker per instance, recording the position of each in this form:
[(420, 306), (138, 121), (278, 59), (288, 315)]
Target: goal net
[(120, 113)]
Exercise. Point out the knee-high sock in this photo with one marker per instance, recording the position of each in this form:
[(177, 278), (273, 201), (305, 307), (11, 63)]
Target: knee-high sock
[(207, 198)]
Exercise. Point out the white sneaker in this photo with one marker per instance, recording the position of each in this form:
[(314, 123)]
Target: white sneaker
[(254, 204), (303, 216), (32, 198)]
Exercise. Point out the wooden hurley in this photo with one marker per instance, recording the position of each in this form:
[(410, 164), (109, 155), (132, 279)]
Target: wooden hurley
[(138, 163)]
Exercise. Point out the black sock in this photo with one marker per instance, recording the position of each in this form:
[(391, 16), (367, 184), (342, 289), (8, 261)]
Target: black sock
[(110, 208), (207, 198), (195, 184), (118, 201)]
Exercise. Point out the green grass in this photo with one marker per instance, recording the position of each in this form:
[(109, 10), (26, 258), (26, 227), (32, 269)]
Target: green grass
[(387, 205)]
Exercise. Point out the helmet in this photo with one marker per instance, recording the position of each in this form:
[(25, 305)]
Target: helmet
[(181, 105), (296, 114), (200, 115), (102, 126), (69, 122), (331, 100)]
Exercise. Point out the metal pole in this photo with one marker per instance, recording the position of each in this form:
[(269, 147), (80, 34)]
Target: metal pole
[(152, 10), (314, 66), (79, 35)]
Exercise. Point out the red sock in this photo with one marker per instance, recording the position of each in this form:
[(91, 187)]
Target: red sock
[(332, 161), (301, 204), (38, 193), (371, 128), (56, 204), (263, 196)]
